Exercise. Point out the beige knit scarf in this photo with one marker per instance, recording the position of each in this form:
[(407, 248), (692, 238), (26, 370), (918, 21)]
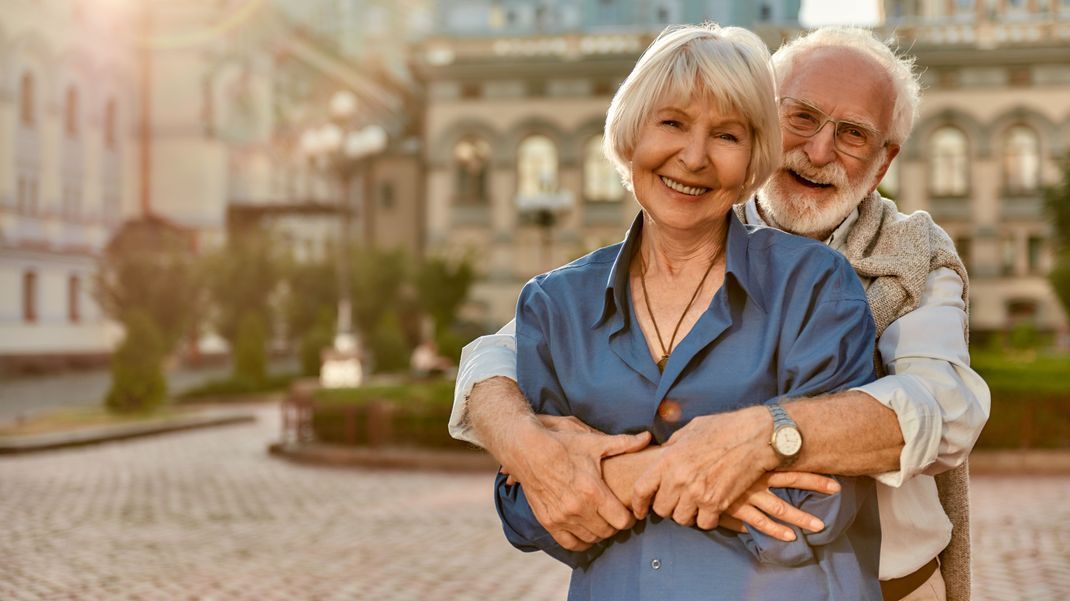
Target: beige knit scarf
[(898, 252)]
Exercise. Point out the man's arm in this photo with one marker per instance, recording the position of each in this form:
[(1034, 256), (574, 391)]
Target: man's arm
[(923, 417)]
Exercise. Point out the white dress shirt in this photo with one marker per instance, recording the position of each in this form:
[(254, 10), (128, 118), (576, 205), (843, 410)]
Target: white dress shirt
[(941, 403)]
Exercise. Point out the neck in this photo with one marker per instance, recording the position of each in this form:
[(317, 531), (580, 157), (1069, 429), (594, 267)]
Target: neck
[(677, 253)]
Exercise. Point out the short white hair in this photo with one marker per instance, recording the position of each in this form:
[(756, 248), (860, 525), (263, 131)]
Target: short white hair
[(730, 65), (899, 67)]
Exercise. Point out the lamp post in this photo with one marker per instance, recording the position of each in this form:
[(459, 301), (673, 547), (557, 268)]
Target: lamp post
[(342, 147)]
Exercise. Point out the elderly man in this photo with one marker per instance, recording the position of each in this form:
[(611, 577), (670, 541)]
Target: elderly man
[(847, 104)]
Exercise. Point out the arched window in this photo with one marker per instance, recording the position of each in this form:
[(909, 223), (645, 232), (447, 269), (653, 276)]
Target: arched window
[(470, 158), (949, 173), (110, 137), (601, 183), (71, 112), (1021, 160), (26, 100), (537, 167), (29, 296)]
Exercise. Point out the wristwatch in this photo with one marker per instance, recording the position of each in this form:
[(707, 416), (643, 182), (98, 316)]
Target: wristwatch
[(787, 440)]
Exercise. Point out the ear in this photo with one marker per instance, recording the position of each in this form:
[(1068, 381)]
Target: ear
[(890, 154)]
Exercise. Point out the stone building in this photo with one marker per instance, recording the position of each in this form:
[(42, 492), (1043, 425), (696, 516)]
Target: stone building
[(67, 108), (517, 93), (995, 122), (516, 101)]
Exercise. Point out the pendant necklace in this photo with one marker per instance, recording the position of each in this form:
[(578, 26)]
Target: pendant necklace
[(665, 352)]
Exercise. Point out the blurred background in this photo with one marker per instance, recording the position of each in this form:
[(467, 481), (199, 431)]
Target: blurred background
[(314, 204)]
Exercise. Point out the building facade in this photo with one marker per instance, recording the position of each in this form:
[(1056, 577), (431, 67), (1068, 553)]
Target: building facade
[(517, 94), (67, 106), (994, 125)]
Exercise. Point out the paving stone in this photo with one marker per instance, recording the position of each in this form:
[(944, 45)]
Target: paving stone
[(210, 516)]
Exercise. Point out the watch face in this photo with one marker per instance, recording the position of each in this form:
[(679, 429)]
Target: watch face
[(788, 441)]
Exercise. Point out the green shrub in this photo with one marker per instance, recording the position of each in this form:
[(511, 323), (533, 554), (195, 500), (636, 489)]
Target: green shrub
[(389, 345), (419, 414), (138, 383), (233, 387), (1030, 399), (250, 350)]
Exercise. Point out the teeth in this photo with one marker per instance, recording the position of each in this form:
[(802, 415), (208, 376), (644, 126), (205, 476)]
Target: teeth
[(810, 180), (675, 185)]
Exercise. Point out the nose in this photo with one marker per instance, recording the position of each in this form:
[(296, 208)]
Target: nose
[(821, 147), (695, 155)]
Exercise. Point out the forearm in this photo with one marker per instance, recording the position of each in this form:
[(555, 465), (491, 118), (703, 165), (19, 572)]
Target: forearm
[(848, 433), (502, 418)]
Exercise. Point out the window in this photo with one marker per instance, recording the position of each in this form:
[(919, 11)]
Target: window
[(470, 158), (964, 246), (386, 196), (949, 166), (74, 290), (71, 121), (109, 124), (1035, 257), (600, 180), (537, 166), (1007, 255), (26, 100), (29, 297), (1021, 160)]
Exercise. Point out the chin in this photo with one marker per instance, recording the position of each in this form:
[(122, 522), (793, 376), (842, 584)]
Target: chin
[(804, 211)]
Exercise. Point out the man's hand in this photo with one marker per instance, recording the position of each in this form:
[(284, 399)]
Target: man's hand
[(562, 478), (706, 466), (755, 508)]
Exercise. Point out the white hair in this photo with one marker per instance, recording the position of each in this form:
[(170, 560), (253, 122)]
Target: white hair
[(729, 64), (899, 67)]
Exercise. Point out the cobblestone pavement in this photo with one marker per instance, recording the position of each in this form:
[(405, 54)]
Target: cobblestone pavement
[(209, 516)]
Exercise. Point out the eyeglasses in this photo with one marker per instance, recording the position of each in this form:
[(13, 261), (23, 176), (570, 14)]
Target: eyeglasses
[(852, 139)]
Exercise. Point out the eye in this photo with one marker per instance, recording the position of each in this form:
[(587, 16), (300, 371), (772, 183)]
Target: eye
[(670, 123), (727, 137), (853, 134), (803, 117)]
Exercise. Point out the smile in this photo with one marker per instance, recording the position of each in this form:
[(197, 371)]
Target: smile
[(681, 188), (806, 182)]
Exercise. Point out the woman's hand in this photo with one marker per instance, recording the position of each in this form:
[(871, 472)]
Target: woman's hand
[(706, 466), (757, 507)]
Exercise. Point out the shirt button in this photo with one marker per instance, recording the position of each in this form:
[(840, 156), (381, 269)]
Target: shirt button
[(656, 564)]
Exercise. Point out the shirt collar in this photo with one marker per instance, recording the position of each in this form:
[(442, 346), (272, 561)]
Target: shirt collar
[(837, 241), (736, 266)]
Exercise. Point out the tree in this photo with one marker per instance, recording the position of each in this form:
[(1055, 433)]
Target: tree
[(1058, 202), (240, 279), (149, 268), (138, 383)]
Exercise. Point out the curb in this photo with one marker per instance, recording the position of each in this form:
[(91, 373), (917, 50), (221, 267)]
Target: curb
[(385, 457), (11, 445)]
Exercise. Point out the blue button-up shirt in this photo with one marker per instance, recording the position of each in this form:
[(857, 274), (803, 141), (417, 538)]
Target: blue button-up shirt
[(790, 319)]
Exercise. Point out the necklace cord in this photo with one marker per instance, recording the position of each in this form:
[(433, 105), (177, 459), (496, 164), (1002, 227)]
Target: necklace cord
[(646, 299)]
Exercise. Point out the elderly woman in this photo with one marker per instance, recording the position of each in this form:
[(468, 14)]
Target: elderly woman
[(693, 314)]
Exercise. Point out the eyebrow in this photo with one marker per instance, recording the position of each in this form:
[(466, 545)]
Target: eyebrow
[(679, 111)]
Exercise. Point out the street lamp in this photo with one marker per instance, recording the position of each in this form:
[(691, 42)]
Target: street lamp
[(342, 147)]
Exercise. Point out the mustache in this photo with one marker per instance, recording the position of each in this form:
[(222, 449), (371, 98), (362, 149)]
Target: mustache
[(833, 173)]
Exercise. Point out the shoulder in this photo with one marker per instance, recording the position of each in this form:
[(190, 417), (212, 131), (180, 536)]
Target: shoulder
[(592, 268), (785, 267), (582, 279)]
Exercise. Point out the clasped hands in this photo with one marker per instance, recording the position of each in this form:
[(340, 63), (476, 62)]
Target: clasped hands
[(584, 486)]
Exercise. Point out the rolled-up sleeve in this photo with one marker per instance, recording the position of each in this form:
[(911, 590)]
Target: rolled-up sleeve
[(483, 358), (941, 403)]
